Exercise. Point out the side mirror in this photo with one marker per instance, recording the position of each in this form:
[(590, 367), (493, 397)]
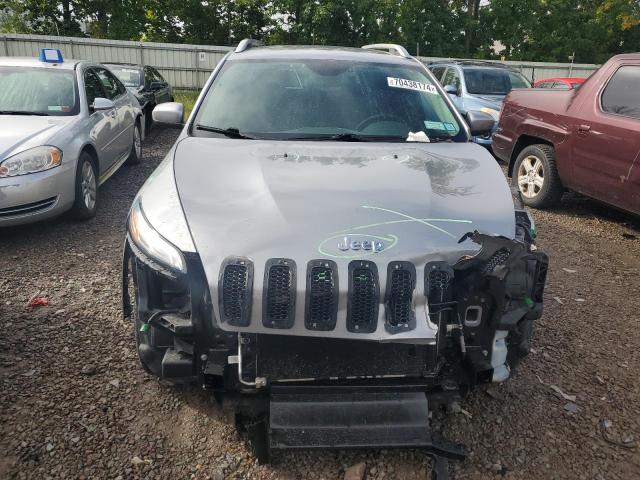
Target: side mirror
[(169, 113), (100, 103), (157, 86), (480, 123), (451, 90)]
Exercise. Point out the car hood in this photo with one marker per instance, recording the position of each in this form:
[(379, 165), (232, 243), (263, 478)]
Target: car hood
[(18, 132), (284, 199), (490, 101), (299, 200)]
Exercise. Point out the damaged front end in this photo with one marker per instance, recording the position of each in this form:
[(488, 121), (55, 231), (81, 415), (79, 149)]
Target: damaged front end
[(482, 308)]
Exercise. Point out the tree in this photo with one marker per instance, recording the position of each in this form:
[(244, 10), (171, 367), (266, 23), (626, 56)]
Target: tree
[(552, 30)]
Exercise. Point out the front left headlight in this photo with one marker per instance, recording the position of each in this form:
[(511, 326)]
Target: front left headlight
[(33, 160), (151, 242), (491, 111)]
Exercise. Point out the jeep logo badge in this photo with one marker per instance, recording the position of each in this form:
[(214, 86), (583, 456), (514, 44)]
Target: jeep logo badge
[(355, 244)]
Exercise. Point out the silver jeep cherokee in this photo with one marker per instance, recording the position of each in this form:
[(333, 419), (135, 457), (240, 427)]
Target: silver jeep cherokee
[(325, 250)]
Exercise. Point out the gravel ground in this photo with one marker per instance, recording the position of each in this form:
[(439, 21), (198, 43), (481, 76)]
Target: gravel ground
[(74, 404)]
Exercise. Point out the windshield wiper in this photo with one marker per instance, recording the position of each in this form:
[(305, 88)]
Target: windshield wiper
[(440, 138), (350, 137), (227, 132), (21, 112)]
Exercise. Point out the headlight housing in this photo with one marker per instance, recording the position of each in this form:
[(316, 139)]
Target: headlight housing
[(491, 111), (151, 242), (33, 160)]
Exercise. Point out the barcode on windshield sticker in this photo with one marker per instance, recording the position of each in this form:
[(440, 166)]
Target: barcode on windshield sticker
[(411, 85)]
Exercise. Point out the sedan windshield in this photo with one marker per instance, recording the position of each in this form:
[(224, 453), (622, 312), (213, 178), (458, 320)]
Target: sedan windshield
[(38, 91), (314, 99), (493, 81), (130, 76)]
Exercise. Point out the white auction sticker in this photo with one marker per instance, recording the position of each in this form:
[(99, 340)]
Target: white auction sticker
[(411, 85)]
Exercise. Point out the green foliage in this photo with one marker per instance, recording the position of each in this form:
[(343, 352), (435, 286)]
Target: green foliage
[(187, 98), (545, 30)]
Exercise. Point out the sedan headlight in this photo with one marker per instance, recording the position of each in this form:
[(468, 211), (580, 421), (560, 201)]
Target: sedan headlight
[(491, 111), (35, 159), (151, 242)]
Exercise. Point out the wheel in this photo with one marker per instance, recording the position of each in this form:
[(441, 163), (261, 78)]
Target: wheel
[(148, 120), (136, 149), (536, 176), (86, 200)]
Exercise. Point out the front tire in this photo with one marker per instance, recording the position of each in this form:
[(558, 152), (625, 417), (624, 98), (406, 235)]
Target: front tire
[(148, 119), (86, 194), (536, 176), (136, 148)]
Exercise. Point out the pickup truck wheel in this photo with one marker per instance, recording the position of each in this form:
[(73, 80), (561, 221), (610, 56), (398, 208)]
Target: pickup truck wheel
[(536, 176)]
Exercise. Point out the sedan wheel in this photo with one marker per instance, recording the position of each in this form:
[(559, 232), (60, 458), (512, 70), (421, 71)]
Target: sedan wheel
[(89, 186), (136, 147), (531, 176), (86, 191), (137, 142)]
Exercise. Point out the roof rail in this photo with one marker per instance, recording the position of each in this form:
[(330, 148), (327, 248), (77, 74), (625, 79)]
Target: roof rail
[(389, 48), (481, 62), (248, 43)]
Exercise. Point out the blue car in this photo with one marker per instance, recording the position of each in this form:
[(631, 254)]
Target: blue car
[(480, 86)]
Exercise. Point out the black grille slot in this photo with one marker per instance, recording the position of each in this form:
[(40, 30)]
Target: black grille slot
[(364, 295), (235, 288), (438, 287), (321, 307), (496, 260), (401, 281), (279, 296), (27, 208)]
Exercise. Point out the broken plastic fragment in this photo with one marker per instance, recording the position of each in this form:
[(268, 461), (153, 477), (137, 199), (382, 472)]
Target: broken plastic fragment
[(145, 327), (39, 300)]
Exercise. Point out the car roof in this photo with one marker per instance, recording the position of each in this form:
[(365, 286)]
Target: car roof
[(124, 64), (562, 79), (475, 65), (320, 52), (471, 63), (67, 64)]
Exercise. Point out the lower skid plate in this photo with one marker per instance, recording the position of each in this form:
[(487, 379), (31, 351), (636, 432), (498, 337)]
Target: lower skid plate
[(356, 420)]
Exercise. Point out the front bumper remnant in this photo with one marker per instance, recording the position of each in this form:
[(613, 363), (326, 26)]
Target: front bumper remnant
[(297, 391)]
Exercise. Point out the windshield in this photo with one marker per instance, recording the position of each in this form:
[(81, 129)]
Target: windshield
[(493, 81), (128, 75), (38, 91), (316, 99)]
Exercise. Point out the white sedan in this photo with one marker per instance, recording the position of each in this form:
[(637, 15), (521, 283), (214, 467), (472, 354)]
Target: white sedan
[(65, 128)]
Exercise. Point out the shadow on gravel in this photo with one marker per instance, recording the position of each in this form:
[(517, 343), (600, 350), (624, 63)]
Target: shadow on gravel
[(580, 206)]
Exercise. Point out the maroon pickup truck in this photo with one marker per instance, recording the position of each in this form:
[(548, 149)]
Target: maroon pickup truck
[(587, 140)]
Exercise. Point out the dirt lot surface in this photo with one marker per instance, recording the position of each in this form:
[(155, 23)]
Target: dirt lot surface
[(75, 404)]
